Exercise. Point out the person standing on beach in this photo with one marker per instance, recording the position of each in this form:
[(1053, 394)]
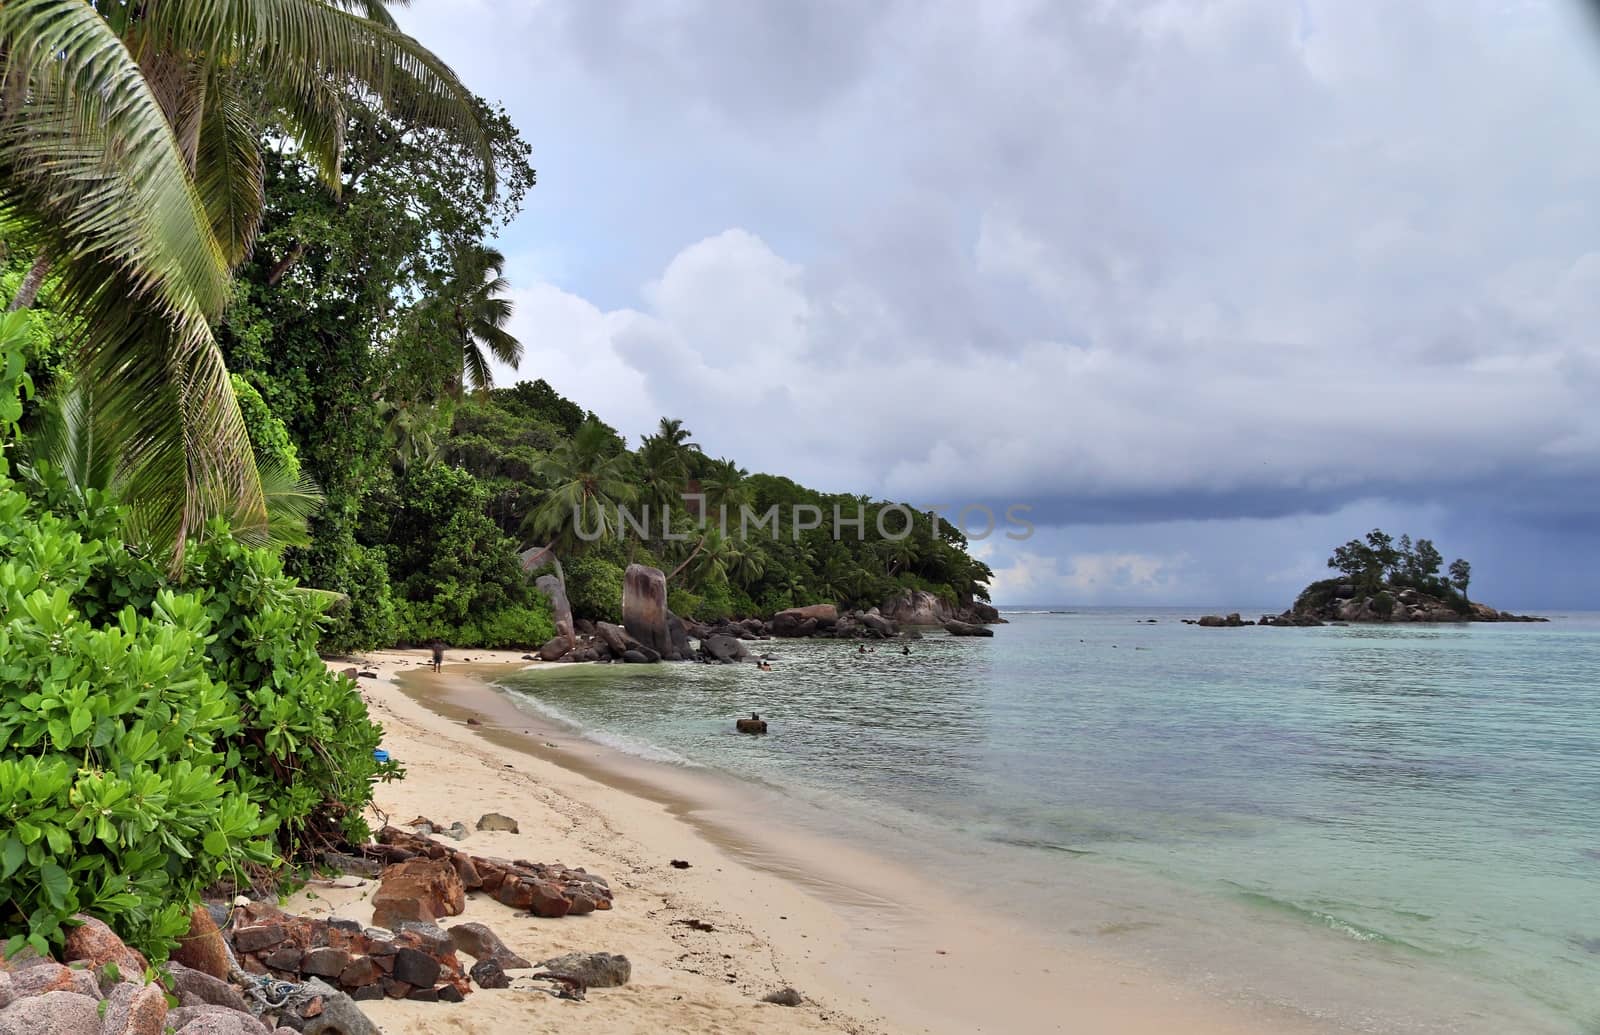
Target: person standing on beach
[(438, 654)]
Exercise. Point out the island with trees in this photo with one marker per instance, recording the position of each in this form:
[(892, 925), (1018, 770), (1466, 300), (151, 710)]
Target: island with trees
[(1384, 579)]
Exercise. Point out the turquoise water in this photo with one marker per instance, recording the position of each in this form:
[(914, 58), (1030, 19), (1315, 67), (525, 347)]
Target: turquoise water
[(1417, 801)]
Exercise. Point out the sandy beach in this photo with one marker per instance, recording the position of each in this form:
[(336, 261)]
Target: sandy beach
[(871, 946)]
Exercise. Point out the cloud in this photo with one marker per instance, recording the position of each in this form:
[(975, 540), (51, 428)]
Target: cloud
[(1147, 265)]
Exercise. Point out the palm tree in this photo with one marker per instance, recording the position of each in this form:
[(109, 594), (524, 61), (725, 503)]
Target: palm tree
[(588, 479), (130, 157), (481, 315), (724, 489), (87, 454), (410, 428)]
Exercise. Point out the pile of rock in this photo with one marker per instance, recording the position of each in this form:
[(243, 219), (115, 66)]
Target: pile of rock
[(1230, 621), (438, 877), (416, 962), (101, 991), (649, 631)]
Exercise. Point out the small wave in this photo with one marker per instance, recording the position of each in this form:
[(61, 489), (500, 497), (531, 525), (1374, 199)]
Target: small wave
[(1046, 846), (1320, 918), (1020, 611), (619, 742)]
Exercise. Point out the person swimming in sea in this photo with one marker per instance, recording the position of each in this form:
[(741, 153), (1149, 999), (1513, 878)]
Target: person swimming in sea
[(861, 649), (905, 650)]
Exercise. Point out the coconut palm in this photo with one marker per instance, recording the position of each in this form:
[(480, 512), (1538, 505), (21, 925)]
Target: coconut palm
[(481, 315), (588, 478), (130, 157)]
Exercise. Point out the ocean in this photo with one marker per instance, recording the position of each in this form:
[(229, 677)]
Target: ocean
[(1390, 828)]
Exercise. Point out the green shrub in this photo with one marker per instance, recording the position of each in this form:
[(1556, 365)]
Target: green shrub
[(594, 588), (268, 436), (155, 734), (1383, 604), (683, 603)]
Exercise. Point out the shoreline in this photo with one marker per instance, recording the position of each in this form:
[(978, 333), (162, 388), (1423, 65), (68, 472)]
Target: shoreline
[(872, 946)]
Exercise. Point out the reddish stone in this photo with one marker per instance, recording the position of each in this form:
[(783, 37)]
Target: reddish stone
[(363, 970), (251, 965), (548, 901), (325, 962), (203, 948), (395, 989), (515, 892), (467, 871), (258, 937), (53, 977), (95, 944), (313, 1008), (490, 875), (420, 890), (580, 902)]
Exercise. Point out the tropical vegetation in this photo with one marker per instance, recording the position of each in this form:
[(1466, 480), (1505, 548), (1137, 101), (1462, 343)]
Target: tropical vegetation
[(248, 413)]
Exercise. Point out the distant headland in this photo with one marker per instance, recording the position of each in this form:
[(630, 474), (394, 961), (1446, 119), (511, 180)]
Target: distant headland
[(1383, 579)]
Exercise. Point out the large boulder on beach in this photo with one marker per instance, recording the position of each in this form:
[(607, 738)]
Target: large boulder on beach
[(615, 637), (560, 608), (678, 635), (592, 969), (644, 609), (916, 607), (555, 649), (419, 889)]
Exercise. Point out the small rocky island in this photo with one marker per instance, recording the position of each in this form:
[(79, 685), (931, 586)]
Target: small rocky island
[(1382, 579)]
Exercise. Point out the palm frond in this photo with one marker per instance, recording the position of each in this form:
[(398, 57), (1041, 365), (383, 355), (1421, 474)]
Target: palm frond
[(228, 169)]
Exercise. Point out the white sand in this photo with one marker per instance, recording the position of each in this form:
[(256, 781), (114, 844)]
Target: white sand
[(872, 947)]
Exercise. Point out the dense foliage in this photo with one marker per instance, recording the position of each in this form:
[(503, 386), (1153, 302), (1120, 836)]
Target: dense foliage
[(160, 731), (556, 476), (1379, 563)]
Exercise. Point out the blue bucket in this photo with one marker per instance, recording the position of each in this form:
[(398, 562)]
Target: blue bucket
[(380, 755)]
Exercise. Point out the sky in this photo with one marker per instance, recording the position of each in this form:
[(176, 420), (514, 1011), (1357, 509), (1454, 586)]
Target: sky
[(1211, 285)]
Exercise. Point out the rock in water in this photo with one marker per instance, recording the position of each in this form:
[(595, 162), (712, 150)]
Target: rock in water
[(963, 629), (560, 608), (594, 969), (679, 637), (803, 621), (616, 639), (721, 648), (644, 609), (754, 724)]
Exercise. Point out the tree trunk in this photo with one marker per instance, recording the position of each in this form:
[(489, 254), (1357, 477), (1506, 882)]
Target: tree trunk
[(283, 266), (32, 282), (687, 560)]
